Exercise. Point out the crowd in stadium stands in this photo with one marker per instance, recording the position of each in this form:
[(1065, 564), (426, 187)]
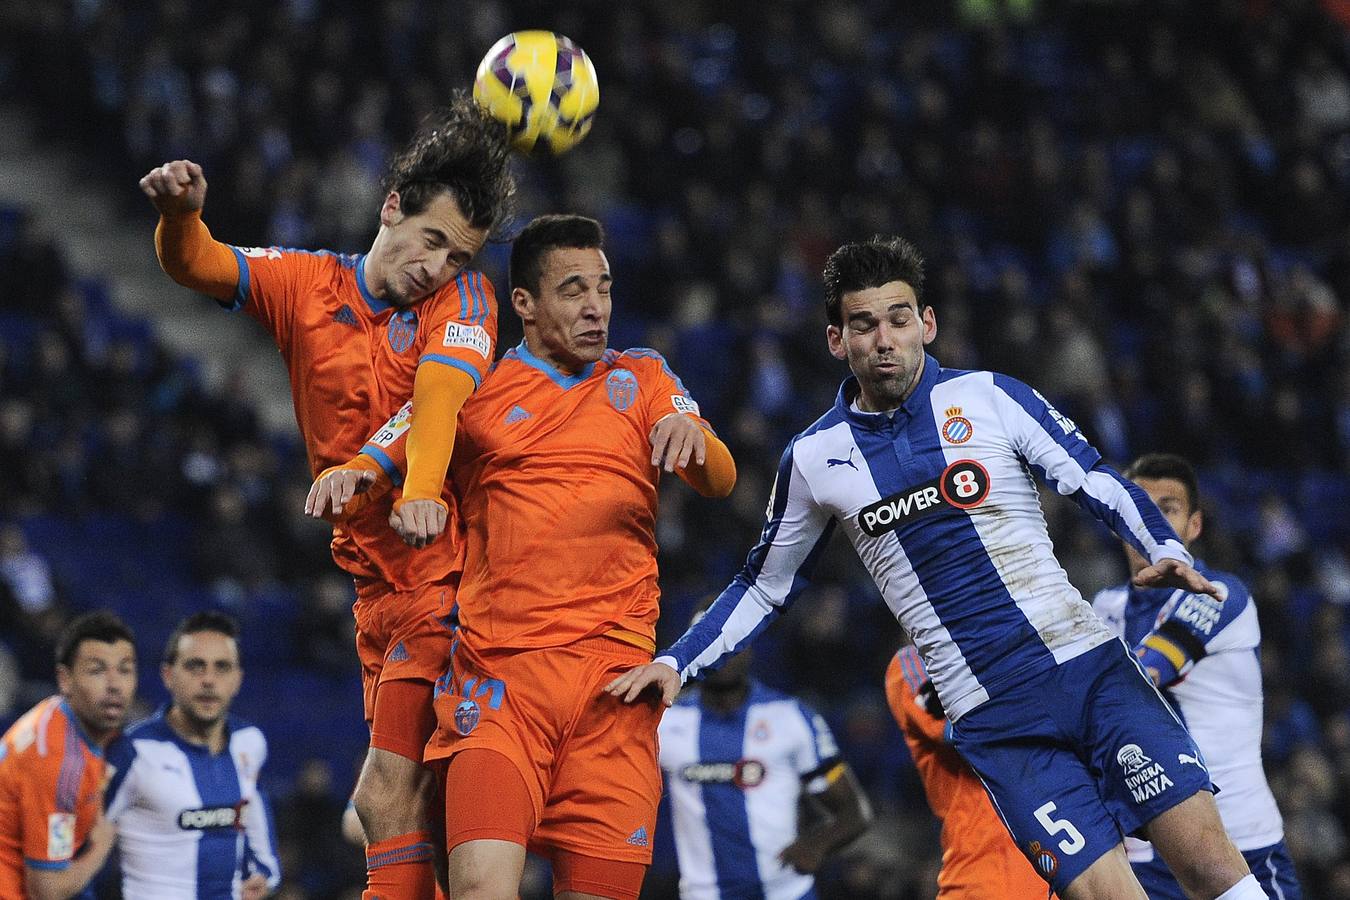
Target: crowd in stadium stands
[(1139, 208)]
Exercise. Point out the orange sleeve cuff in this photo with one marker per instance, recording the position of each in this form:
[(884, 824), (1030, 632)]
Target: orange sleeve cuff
[(439, 392), (194, 259), (717, 476)]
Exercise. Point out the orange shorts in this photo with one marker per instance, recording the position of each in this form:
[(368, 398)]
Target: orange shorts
[(402, 636), (588, 761)]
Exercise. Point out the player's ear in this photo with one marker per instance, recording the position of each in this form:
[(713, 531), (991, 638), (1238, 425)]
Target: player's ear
[(1197, 523), (63, 679), (834, 339), (929, 324), (391, 213), (522, 301)]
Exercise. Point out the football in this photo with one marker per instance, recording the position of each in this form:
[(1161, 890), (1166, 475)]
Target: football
[(542, 86)]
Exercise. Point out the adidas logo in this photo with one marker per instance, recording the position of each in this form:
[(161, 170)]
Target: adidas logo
[(345, 315), (638, 838), (399, 653), (516, 415)]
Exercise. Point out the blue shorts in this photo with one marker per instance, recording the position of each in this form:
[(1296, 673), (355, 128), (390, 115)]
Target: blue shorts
[(1076, 757), (1271, 866)]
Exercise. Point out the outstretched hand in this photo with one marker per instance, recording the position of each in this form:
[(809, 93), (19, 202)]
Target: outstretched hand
[(630, 685), (176, 187), (419, 522), (333, 491), (1174, 573)]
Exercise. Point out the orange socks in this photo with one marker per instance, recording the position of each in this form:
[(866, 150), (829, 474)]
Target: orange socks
[(400, 868)]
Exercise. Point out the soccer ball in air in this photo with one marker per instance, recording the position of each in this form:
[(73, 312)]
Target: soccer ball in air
[(542, 86)]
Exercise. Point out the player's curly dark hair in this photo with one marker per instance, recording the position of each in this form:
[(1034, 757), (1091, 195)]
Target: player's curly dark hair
[(461, 149), (869, 264)]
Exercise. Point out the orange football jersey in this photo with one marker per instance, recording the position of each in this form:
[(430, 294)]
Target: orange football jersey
[(51, 783), (979, 859), (352, 360), (558, 497)]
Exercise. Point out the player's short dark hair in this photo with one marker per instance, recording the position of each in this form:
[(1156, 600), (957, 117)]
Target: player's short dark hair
[(463, 150), (868, 264), (548, 233), (207, 620), (100, 625), (1168, 465)]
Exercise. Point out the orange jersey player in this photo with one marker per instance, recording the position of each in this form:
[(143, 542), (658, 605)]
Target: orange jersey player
[(979, 859), (53, 837), (557, 465), (360, 334)]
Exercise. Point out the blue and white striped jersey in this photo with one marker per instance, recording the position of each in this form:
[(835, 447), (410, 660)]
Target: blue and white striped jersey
[(937, 499), (190, 823), (1208, 655), (734, 781)]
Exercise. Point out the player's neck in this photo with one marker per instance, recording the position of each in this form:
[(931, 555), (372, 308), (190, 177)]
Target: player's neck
[(211, 736), (724, 699), (540, 351)]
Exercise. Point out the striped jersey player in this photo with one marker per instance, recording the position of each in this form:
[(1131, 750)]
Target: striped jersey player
[(928, 472), (190, 823), (1204, 654)]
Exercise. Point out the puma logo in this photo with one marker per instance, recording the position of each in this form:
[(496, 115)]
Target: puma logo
[(1184, 758), (831, 463)]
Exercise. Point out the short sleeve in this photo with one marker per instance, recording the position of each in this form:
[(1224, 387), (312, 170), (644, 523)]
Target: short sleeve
[(663, 392), (462, 333)]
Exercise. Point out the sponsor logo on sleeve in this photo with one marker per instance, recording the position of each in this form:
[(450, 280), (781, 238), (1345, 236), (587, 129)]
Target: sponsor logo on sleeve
[(394, 428), (472, 337), (60, 836), (684, 404), (1200, 611), (260, 252)]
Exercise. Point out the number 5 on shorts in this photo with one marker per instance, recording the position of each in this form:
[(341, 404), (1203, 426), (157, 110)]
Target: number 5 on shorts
[(1055, 826)]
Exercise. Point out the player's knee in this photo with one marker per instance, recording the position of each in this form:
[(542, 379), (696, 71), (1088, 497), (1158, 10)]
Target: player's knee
[(392, 791)]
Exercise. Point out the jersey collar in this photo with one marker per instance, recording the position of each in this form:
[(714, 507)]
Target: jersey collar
[(914, 404), (376, 305), (562, 380)]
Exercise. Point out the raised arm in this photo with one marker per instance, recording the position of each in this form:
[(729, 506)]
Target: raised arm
[(183, 243), (1057, 452)]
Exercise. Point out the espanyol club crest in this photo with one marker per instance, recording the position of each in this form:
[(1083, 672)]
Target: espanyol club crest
[(623, 388), (466, 716), (402, 330), (1044, 860), (957, 429)]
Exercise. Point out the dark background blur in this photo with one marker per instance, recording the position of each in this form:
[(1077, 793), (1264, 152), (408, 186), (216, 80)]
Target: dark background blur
[(1138, 207)]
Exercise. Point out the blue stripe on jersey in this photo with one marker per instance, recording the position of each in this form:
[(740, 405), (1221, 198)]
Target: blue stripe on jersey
[(949, 558), (463, 288), (911, 667), (217, 782), (390, 468), (476, 283), (250, 856), (241, 290), (722, 739), (455, 363)]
